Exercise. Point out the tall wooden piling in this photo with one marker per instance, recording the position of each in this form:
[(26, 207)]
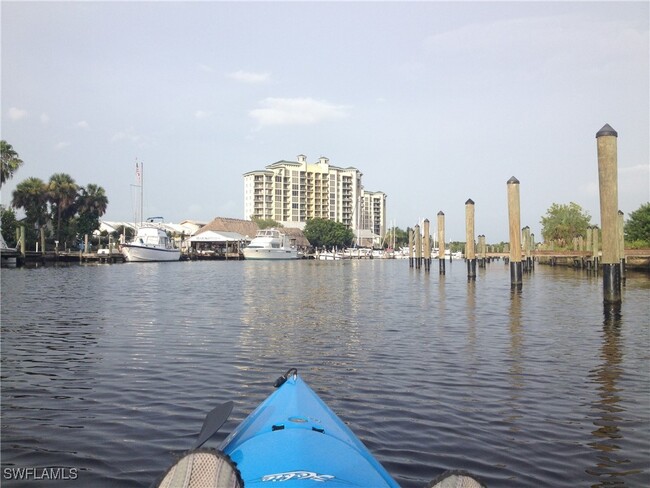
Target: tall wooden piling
[(514, 219), (418, 246), (43, 241), (589, 246), (427, 246), (532, 250), (479, 250), (595, 237), (411, 248), (525, 244), (22, 241), (441, 242), (606, 139), (470, 248), (621, 243)]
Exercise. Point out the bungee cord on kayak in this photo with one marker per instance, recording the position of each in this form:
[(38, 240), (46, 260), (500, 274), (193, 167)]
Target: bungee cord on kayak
[(291, 437)]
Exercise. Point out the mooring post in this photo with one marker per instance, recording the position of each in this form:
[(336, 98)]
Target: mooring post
[(514, 229), (418, 246), (410, 248), (608, 184), (470, 250), (621, 243), (427, 246), (481, 251), (525, 241), (589, 246), (532, 250), (441, 242), (22, 241), (596, 248)]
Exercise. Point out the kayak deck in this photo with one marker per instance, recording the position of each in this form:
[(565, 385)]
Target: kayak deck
[(294, 437)]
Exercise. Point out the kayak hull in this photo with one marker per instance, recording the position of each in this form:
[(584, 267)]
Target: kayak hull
[(294, 438)]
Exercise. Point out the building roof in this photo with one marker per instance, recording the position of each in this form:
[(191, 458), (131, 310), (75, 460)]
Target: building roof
[(224, 224)]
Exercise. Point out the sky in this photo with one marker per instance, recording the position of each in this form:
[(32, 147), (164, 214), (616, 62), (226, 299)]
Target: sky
[(434, 102)]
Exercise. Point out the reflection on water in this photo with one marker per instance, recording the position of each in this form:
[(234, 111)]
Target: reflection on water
[(612, 465), (111, 369)]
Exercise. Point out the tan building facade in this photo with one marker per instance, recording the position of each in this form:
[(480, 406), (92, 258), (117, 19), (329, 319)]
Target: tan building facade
[(292, 192)]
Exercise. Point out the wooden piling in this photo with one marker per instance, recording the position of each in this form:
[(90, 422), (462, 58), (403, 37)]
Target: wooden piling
[(22, 241), (606, 139), (514, 219), (418, 246), (441, 242), (470, 249), (427, 246), (532, 249), (621, 243), (596, 247), (410, 248), (525, 242)]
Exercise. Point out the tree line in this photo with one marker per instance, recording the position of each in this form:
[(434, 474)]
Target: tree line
[(64, 210)]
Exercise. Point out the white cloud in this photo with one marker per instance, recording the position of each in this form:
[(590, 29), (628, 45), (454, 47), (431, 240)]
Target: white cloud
[(205, 68), (82, 124), (44, 118), (202, 114), (17, 113), (250, 77), (61, 145), (297, 111)]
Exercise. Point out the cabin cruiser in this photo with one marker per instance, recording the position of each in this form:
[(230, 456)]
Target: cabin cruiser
[(270, 244), (151, 243)]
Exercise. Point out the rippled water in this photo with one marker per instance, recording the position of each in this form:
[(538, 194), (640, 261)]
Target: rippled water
[(111, 369)]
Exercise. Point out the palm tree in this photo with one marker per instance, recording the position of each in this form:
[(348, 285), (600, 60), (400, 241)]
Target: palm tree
[(31, 195), (91, 205), (10, 161), (93, 200), (62, 193)]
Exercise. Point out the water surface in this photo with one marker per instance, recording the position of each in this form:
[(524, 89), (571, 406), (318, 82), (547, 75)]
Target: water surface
[(110, 369)]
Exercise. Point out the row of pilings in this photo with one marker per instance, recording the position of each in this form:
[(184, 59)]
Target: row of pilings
[(522, 242)]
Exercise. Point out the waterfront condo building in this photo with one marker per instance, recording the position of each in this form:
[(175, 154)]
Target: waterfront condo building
[(292, 192)]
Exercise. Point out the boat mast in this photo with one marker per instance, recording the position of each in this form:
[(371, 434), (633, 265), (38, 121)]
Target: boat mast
[(141, 193)]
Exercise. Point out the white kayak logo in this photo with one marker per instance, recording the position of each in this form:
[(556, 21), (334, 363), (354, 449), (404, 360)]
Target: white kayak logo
[(297, 475)]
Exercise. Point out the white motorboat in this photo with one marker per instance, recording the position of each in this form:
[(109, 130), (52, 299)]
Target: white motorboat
[(270, 244), (151, 243)]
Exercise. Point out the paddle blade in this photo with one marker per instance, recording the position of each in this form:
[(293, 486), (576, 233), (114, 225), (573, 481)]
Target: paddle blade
[(213, 422)]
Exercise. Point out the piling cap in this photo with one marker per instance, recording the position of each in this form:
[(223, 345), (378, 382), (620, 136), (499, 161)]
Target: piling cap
[(513, 181), (606, 131), (441, 213), (469, 202)]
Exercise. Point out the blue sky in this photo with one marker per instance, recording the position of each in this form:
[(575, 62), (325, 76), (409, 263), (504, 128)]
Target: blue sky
[(434, 102)]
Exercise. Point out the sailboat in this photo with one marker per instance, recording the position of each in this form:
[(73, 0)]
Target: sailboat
[(151, 242)]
